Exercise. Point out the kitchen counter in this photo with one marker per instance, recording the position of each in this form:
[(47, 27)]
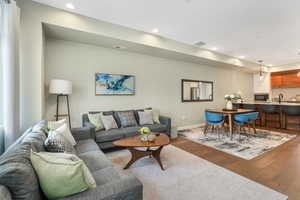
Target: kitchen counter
[(278, 119), (273, 103)]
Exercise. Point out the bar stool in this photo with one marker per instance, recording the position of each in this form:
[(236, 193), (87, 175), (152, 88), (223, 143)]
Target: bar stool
[(271, 110), (292, 111)]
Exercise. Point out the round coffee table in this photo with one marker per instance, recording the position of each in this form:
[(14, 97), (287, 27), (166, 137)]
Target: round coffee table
[(132, 143)]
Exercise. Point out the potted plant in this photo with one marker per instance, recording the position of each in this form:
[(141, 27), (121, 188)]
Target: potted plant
[(229, 99)]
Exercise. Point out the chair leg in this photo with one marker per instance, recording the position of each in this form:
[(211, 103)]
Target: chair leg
[(254, 128), (205, 128)]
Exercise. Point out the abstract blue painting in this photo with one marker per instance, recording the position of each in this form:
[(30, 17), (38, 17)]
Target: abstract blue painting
[(114, 84)]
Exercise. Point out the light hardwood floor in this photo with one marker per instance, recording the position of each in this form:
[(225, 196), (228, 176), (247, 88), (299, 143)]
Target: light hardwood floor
[(278, 169)]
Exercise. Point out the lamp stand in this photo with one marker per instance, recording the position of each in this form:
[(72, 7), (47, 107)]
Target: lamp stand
[(57, 105)]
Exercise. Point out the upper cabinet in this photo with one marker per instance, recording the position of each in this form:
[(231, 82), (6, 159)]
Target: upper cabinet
[(276, 81), (285, 79)]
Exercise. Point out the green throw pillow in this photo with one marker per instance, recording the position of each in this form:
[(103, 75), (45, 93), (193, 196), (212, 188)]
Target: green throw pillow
[(61, 174), (155, 114), (95, 119)]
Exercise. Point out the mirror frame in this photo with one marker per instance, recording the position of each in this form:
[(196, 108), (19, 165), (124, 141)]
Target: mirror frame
[(201, 100)]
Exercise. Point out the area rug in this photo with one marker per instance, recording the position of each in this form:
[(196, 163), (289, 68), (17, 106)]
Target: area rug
[(188, 177), (248, 146)]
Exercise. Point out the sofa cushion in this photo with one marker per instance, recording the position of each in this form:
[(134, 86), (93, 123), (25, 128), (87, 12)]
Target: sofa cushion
[(95, 160), (105, 175), (4, 193), (16, 171), (84, 146), (157, 127), (131, 131), (109, 135), (127, 118)]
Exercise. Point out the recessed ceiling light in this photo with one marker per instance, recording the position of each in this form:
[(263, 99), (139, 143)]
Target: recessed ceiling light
[(155, 30), (242, 57), (214, 48), (70, 6), (119, 47)]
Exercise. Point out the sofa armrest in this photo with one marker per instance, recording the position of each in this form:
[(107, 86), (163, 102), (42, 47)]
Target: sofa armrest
[(82, 133), (126, 188), (166, 121), (4, 193)]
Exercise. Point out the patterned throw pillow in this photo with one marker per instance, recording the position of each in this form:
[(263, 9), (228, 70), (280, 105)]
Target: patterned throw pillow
[(56, 142), (95, 119), (145, 117), (71, 174), (109, 122), (127, 119)]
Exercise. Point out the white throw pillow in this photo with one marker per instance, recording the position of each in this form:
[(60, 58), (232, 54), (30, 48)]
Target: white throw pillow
[(65, 131), (52, 125), (145, 118), (155, 114), (109, 122)]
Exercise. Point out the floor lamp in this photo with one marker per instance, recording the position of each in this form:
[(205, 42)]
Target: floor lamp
[(62, 88)]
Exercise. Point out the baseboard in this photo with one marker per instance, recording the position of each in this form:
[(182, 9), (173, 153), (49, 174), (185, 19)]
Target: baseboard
[(190, 126)]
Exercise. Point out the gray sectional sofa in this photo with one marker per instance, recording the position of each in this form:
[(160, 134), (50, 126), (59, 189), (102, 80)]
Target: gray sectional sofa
[(106, 138), (19, 181)]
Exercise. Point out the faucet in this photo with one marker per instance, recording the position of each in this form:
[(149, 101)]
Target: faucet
[(280, 97)]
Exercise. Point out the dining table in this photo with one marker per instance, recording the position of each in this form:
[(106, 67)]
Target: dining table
[(230, 114)]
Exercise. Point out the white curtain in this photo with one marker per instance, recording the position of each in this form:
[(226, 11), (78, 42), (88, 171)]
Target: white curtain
[(10, 67)]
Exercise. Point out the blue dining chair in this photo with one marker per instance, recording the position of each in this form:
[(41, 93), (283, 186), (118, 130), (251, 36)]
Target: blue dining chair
[(213, 120), (240, 120), (252, 117)]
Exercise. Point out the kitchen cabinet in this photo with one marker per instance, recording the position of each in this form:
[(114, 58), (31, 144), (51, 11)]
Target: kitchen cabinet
[(285, 79), (276, 81)]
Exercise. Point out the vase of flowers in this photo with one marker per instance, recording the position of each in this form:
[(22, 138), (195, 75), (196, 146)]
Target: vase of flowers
[(229, 99)]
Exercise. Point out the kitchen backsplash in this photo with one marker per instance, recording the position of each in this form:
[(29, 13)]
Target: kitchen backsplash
[(288, 93)]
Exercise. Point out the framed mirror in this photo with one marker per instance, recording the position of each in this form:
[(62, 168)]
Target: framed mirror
[(195, 91)]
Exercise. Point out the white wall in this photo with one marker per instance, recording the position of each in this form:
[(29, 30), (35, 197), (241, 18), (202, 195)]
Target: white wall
[(32, 17), (158, 81), (262, 86)]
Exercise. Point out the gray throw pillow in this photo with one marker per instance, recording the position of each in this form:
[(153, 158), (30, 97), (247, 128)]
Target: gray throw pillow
[(145, 117), (56, 142), (109, 122), (127, 119)]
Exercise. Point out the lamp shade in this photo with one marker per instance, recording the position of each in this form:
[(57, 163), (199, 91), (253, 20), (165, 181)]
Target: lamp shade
[(60, 87)]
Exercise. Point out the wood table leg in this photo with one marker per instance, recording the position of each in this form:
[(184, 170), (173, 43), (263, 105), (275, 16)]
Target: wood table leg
[(156, 155), (230, 126), (137, 154)]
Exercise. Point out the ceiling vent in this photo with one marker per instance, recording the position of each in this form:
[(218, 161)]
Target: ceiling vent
[(200, 44)]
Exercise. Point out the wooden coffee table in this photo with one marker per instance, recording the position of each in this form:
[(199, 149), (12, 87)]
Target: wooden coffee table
[(132, 143)]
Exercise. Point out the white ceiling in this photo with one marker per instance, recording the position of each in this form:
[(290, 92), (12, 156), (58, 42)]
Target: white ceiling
[(258, 29)]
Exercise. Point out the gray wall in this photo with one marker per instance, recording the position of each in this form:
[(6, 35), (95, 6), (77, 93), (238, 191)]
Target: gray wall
[(158, 81)]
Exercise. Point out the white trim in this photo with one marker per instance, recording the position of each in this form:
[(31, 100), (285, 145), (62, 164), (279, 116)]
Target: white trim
[(190, 126)]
